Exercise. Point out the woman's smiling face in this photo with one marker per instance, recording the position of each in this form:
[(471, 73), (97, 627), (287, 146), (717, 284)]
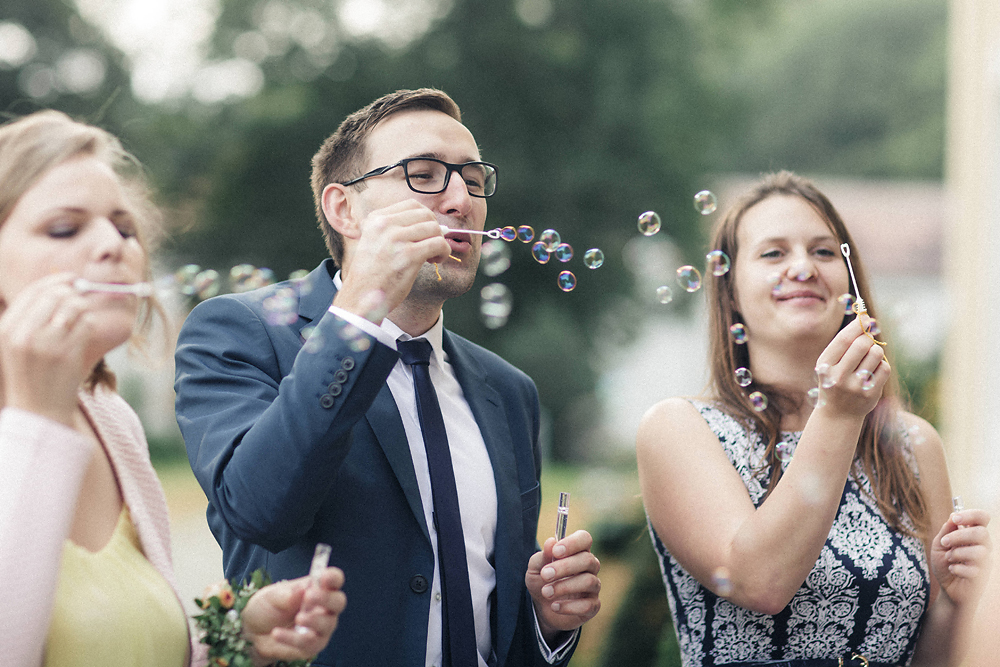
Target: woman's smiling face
[(788, 273)]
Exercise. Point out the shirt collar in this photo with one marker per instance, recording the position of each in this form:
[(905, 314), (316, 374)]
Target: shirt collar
[(434, 335)]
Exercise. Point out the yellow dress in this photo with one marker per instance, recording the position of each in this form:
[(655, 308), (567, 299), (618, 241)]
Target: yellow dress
[(113, 607)]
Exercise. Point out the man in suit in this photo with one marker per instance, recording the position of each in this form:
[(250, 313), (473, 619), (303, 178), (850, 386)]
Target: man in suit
[(308, 426)]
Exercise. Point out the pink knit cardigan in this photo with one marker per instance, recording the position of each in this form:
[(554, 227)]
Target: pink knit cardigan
[(42, 464)]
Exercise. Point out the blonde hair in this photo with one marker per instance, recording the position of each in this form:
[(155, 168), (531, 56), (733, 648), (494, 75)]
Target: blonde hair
[(895, 486), (32, 146)]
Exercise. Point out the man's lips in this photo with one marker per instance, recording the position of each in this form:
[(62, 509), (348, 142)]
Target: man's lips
[(458, 236)]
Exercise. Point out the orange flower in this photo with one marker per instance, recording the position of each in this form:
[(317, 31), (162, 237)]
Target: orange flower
[(220, 590), (226, 598), (221, 662)]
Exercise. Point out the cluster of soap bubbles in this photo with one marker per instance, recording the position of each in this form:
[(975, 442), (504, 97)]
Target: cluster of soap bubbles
[(192, 281), (496, 301), (688, 277), (280, 306)]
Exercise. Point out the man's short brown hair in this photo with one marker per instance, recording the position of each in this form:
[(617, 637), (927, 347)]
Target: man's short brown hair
[(342, 155)]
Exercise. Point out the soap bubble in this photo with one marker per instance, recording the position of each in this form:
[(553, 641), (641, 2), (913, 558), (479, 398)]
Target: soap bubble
[(563, 252), (705, 202), (550, 239), (775, 280), (567, 281), (184, 278), (815, 397), (649, 223), (784, 451), (496, 302), (494, 258), (722, 583), (540, 253), (508, 233), (847, 301), (280, 307), (717, 262), (593, 258), (738, 332), (239, 276), (872, 327), (262, 277), (356, 339), (312, 339), (525, 234), (823, 377), (664, 294), (867, 379), (758, 401), (206, 284), (689, 278), (298, 279), (743, 376)]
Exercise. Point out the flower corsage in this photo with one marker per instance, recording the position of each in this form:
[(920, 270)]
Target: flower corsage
[(221, 623)]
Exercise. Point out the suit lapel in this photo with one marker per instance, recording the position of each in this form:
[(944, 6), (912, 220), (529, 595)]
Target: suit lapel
[(383, 417), (488, 409)]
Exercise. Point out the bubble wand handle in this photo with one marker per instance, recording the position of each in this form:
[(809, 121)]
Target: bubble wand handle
[(859, 306), (562, 515), (320, 561), (492, 233)]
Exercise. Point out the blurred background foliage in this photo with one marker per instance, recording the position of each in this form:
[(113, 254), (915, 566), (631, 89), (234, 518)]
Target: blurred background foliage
[(595, 110)]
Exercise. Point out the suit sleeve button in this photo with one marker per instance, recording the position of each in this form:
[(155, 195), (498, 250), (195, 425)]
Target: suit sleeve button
[(418, 584), (340, 376), (327, 401), (347, 363), (335, 388)]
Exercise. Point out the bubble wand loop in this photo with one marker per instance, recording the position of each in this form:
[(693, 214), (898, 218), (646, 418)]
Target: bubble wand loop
[(859, 305)]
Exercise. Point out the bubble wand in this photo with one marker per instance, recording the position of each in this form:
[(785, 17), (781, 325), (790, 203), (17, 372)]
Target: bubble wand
[(320, 561), (859, 305), (141, 290), (492, 233)]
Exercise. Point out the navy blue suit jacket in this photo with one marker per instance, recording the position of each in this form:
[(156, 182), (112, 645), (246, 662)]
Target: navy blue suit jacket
[(294, 447)]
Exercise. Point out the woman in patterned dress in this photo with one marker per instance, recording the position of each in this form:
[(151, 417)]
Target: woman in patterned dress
[(817, 530)]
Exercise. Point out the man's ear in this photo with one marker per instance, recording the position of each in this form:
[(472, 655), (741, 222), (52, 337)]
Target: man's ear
[(338, 209)]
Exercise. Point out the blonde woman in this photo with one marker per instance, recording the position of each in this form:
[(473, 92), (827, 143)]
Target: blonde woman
[(85, 574)]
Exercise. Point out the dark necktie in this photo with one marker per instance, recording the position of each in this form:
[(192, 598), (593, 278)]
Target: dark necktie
[(458, 626)]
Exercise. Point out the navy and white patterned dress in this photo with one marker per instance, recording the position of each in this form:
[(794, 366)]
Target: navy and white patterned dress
[(867, 592)]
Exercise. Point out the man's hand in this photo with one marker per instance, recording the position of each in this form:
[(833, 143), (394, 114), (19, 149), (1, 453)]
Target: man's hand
[(562, 580), (393, 243)]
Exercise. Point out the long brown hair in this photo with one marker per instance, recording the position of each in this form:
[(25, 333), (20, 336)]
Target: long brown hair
[(894, 483), (32, 146)]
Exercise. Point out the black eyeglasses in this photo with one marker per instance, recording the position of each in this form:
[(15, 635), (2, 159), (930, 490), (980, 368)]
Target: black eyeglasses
[(429, 176)]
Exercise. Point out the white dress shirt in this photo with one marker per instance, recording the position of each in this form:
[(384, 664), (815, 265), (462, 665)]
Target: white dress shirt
[(477, 497)]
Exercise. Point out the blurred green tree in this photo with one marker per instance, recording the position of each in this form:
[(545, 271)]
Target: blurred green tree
[(51, 58), (593, 110)]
